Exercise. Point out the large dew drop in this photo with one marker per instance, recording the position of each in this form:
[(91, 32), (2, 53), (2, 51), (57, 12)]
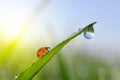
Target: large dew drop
[(88, 35)]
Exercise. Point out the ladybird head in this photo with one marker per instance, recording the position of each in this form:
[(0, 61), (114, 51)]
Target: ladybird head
[(48, 48)]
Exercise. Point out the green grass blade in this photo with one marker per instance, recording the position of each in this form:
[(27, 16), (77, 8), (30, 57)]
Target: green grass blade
[(29, 73), (63, 68)]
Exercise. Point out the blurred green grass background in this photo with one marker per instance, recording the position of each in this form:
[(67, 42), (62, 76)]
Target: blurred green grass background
[(21, 38)]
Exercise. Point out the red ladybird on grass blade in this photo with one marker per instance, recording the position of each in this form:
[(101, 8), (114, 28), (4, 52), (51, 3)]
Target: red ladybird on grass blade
[(42, 51)]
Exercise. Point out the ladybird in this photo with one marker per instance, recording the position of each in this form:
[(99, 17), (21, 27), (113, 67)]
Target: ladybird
[(42, 51)]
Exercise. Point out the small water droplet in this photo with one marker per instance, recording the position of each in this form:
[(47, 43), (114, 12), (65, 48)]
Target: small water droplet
[(79, 29), (16, 75), (74, 33), (88, 35)]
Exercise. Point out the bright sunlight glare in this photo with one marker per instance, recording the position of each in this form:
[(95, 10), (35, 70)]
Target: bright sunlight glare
[(10, 25)]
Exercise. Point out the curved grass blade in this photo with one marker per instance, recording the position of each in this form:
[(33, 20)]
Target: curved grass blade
[(29, 73)]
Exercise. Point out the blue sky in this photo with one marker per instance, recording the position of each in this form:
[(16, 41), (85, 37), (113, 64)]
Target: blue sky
[(72, 14), (66, 16)]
